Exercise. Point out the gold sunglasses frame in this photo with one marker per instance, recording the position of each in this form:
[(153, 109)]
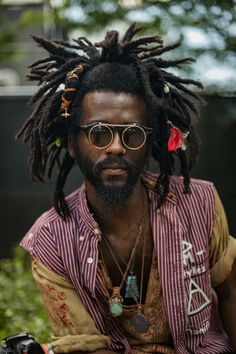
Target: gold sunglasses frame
[(146, 131)]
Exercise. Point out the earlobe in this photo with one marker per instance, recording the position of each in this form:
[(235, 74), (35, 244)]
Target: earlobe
[(70, 146)]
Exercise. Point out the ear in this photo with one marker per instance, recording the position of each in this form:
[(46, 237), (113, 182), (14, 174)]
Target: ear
[(71, 146)]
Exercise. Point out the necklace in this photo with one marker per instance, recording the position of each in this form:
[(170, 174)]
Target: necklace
[(139, 320), (116, 299), (131, 289)]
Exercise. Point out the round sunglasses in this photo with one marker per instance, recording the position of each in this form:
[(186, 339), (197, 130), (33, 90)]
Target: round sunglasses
[(101, 135)]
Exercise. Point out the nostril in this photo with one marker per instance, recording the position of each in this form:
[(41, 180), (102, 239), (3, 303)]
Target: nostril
[(123, 151)]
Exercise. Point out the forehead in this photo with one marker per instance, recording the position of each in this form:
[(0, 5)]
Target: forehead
[(112, 107)]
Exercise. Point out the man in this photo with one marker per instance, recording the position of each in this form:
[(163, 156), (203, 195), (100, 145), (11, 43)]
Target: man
[(129, 261)]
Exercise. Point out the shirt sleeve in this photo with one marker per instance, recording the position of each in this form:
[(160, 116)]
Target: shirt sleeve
[(72, 327), (222, 247)]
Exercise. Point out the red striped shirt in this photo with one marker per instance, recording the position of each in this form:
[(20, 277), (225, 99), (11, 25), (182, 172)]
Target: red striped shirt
[(181, 231)]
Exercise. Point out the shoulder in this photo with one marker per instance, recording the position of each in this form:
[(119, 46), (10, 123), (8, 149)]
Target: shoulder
[(197, 186), (176, 183), (194, 209), (201, 199), (50, 218), (44, 240), (202, 193)]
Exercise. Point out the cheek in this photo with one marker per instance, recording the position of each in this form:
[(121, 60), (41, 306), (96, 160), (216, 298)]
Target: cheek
[(82, 144), (85, 149), (138, 157), (142, 152)]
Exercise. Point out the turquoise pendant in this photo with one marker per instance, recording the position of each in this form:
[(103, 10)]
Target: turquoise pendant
[(116, 307), (131, 290), (115, 302)]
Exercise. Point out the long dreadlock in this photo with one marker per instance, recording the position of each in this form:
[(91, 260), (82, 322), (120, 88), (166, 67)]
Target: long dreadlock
[(55, 109)]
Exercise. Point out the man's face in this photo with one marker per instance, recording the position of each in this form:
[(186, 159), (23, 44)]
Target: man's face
[(114, 170)]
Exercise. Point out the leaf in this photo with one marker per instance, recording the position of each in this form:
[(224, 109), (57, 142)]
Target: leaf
[(21, 308)]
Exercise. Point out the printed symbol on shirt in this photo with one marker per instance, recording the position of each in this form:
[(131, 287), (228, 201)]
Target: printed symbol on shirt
[(196, 291), (200, 253), (194, 270), (187, 253), (201, 330)]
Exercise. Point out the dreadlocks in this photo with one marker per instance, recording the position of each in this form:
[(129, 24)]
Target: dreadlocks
[(131, 65)]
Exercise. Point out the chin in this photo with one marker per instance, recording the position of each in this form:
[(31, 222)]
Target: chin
[(114, 181), (114, 194)]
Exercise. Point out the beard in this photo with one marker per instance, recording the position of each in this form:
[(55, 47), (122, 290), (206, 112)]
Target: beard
[(113, 196)]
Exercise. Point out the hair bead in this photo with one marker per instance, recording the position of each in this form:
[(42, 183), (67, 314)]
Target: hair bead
[(70, 89)]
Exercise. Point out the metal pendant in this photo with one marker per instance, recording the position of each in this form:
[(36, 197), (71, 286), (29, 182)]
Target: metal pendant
[(140, 322), (115, 302), (131, 290)]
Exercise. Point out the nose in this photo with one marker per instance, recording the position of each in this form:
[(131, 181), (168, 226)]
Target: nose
[(116, 147)]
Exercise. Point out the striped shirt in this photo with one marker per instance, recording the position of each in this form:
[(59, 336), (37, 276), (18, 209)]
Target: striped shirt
[(181, 232)]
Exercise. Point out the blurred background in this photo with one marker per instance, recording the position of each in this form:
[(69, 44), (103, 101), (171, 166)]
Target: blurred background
[(207, 29)]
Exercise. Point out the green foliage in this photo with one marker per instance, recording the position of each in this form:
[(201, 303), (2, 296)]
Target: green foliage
[(21, 308), (215, 18), (211, 24), (7, 41), (29, 22)]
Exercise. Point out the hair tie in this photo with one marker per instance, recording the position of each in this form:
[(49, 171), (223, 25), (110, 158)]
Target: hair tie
[(70, 88)]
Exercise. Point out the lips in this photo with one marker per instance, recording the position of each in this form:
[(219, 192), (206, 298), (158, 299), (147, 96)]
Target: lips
[(114, 170), (114, 167)]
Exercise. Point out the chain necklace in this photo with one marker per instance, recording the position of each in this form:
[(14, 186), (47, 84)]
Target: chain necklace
[(131, 289), (139, 320)]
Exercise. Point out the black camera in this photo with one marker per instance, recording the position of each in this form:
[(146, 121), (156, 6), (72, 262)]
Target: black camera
[(21, 343)]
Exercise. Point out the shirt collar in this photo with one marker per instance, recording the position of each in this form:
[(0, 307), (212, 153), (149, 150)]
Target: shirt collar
[(149, 180), (84, 211)]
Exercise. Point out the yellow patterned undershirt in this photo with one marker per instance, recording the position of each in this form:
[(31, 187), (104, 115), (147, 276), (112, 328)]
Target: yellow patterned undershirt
[(158, 338)]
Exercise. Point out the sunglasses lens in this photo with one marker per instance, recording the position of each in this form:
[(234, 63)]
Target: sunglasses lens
[(134, 137), (100, 136)]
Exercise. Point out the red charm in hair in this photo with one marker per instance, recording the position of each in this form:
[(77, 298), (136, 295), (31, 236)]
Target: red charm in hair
[(174, 139)]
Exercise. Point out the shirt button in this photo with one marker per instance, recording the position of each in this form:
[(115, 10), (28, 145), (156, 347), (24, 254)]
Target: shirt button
[(90, 260), (81, 238), (96, 231)]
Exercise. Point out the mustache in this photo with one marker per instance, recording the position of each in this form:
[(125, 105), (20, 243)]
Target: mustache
[(113, 161)]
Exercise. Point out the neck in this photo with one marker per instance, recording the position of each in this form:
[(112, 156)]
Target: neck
[(116, 218)]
